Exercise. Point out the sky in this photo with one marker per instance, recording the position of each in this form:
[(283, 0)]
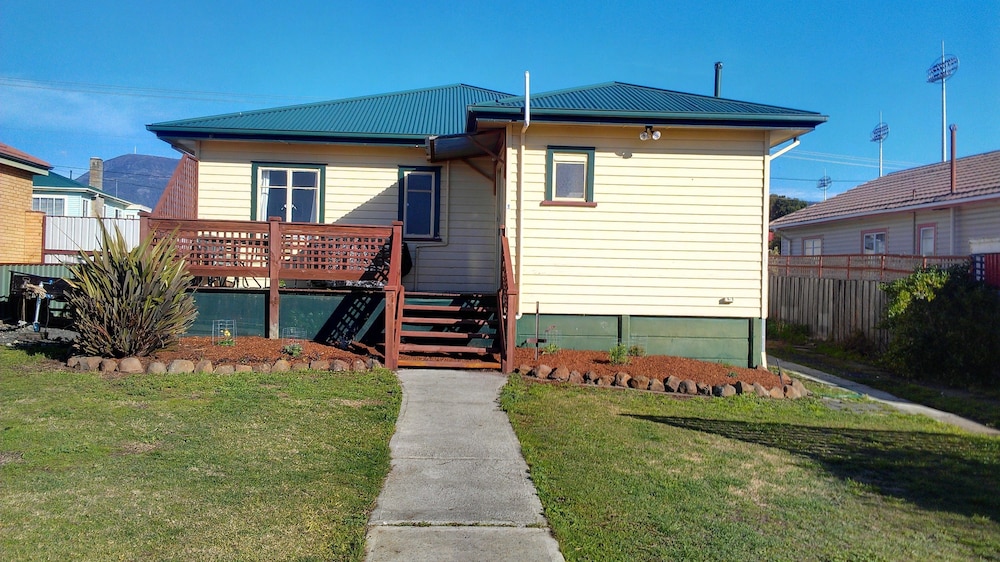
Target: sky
[(84, 78)]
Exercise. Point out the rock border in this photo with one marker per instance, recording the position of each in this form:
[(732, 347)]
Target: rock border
[(669, 385), (135, 365)]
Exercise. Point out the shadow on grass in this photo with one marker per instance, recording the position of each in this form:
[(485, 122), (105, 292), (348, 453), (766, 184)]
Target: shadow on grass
[(935, 471)]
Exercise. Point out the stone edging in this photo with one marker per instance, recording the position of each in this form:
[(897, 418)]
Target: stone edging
[(671, 384), (134, 365)]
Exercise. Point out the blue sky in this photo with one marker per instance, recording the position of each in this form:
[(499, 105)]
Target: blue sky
[(83, 78)]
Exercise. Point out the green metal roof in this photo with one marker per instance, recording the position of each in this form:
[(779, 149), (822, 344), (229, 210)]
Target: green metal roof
[(56, 180), (629, 103), (395, 117)]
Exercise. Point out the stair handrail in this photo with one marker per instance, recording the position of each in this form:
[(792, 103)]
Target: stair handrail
[(507, 298), (394, 297)]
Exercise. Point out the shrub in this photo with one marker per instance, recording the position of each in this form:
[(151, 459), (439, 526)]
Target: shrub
[(618, 355), (943, 325), (130, 303)]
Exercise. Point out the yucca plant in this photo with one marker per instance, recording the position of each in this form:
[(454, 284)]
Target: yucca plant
[(130, 303)]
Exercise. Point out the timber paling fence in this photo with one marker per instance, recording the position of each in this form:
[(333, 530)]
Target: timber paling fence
[(834, 309)]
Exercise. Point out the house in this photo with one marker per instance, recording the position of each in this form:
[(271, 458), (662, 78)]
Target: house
[(57, 195), (943, 209), (613, 212), (21, 227)]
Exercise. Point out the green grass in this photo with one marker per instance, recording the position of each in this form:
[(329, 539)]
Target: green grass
[(246, 466), (981, 405), (640, 476)]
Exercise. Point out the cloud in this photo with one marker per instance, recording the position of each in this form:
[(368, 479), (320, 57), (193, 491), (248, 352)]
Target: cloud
[(55, 110)]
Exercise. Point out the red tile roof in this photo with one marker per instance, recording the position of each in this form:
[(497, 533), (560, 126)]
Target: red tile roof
[(15, 154), (976, 177)]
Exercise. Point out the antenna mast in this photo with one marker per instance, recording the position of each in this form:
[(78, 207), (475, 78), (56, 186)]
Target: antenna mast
[(824, 184), (879, 133)]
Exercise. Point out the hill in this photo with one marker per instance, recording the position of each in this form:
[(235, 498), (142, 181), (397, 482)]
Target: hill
[(138, 178)]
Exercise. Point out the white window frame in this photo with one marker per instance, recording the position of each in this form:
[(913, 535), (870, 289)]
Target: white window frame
[(263, 190), (932, 251), (875, 235), (812, 246), (54, 198)]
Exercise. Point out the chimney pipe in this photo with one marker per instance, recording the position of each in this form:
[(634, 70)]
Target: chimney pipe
[(97, 173), (954, 136), (718, 79)]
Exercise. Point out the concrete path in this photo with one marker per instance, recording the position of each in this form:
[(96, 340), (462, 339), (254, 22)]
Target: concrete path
[(881, 396), (459, 487)]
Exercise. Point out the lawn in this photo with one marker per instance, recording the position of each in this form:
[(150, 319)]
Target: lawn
[(247, 466), (627, 475)]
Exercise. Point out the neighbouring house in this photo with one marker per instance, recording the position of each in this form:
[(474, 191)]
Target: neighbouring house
[(21, 227), (607, 213), (57, 195), (944, 209)]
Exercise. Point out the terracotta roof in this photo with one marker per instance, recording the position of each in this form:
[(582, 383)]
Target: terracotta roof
[(7, 151), (976, 177)]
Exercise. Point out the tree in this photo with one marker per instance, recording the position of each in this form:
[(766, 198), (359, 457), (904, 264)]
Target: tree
[(781, 205)]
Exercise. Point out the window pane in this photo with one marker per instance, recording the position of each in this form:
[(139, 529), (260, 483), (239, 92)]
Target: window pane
[(926, 241), (304, 178), (304, 205), (419, 182), (272, 178), (276, 198), (418, 212), (570, 180), (49, 205)]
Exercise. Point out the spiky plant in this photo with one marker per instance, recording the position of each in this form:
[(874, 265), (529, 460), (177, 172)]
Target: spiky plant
[(130, 303)]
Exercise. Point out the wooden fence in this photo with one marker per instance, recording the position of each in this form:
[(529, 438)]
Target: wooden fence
[(834, 309), (877, 267)]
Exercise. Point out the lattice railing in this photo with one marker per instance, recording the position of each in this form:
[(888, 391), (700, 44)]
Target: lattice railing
[(871, 267)]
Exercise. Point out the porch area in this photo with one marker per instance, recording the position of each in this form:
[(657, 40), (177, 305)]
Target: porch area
[(345, 275)]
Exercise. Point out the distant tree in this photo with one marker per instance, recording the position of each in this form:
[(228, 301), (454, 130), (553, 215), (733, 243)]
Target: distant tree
[(781, 206)]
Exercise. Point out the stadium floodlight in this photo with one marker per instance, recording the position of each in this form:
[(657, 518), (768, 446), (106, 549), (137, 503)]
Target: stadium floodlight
[(940, 71), (879, 134)]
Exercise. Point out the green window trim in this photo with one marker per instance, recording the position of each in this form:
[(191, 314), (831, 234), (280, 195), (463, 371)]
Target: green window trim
[(550, 161), (255, 191)]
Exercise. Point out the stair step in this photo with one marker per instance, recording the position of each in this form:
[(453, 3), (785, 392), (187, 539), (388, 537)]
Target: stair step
[(445, 321), (421, 348), (448, 363), (444, 335), (451, 308)]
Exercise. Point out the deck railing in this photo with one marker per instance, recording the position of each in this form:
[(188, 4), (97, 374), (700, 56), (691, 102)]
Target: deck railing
[(356, 255), (507, 304), (874, 267)]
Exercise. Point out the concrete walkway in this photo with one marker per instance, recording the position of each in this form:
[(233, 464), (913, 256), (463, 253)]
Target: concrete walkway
[(880, 396), (459, 487)]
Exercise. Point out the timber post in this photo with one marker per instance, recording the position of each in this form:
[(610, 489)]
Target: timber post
[(274, 243)]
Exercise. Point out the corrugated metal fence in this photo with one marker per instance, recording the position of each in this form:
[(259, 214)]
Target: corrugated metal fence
[(834, 309), (65, 236)]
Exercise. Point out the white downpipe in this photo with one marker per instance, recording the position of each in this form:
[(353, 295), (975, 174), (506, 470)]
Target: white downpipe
[(765, 210), (518, 245)]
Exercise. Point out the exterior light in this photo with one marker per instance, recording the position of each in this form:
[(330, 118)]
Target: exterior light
[(649, 133)]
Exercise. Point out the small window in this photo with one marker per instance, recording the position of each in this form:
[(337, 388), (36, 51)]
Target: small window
[(420, 202), (291, 192), (873, 242), (54, 206), (812, 247), (927, 236), (569, 176)]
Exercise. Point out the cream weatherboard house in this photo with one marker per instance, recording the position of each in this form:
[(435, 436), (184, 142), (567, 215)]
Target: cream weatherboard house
[(620, 213)]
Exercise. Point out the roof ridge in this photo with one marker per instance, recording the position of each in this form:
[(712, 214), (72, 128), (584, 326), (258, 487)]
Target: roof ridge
[(352, 99)]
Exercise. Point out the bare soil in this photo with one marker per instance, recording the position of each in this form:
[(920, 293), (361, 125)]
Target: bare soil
[(250, 350)]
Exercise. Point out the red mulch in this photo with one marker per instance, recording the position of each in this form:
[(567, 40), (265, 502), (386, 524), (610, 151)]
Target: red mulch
[(251, 349)]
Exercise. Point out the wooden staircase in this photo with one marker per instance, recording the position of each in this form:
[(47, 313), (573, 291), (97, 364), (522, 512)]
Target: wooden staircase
[(449, 330)]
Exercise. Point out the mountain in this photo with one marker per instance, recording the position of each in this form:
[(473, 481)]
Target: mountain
[(138, 178)]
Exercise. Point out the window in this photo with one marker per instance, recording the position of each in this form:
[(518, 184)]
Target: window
[(292, 192), (49, 205), (927, 240), (812, 247), (873, 242), (420, 202), (569, 177)]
